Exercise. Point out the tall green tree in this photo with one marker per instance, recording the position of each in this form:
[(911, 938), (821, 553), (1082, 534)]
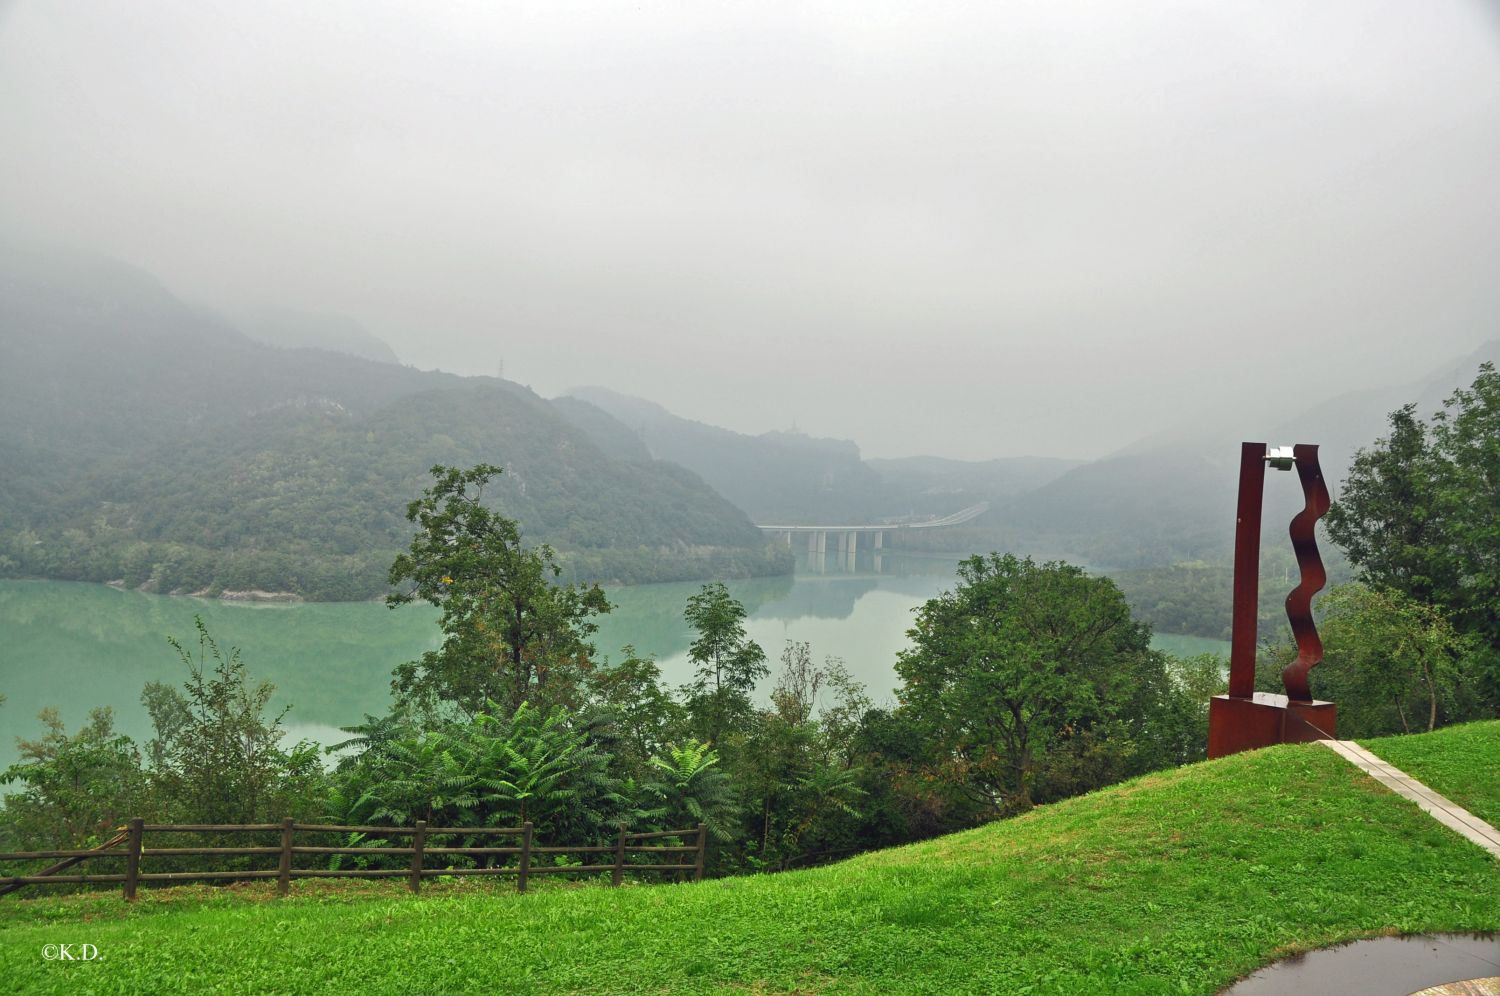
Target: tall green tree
[(1420, 515), (217, 756), (727, 662), (512, 634), (643, 715), (801, 787), (1017, 661), (1388, 515), (1420, 510)]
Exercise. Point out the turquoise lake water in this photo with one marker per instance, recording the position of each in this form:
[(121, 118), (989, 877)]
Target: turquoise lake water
[(75, 646)]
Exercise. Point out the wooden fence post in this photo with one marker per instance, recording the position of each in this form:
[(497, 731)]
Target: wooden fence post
[(525, 857), (417, 838), (702, 846), (133, 857), (284, 870), (619, 857)]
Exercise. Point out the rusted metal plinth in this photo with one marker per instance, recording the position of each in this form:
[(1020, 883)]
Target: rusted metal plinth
[(1264, 719)]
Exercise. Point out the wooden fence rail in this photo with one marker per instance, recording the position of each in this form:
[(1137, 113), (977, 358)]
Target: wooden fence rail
[(129, 844)]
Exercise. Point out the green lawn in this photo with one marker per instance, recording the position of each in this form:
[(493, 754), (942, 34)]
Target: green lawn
[(1460, 762), (1178, 882)]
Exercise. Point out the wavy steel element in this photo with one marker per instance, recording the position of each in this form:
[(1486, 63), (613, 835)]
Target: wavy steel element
[(1312, 575)]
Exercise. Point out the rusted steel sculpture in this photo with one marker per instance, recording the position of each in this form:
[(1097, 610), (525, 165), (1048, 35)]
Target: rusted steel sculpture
[(1246, 719), (1312, 575)]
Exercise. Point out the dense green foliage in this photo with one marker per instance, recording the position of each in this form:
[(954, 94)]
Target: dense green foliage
[(489, 771), (511, 635), (1197, 598), (513, 718), (1028, 674), (727, 664), (153, 445), (1392, 664), (216, 757), (75, 788), (1178, 882), (1420, 515)]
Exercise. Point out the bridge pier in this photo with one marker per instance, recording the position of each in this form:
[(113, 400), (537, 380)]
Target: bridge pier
[(847, 537)]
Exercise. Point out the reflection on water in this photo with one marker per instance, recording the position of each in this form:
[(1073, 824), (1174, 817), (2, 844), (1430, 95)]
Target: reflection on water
[(863, 560), (76, 646)]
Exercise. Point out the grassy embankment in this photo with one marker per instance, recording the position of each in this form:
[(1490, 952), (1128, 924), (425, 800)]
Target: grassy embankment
[(1460, 762), (1177, 882)]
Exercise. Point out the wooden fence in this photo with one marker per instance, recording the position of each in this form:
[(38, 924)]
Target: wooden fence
[(130, 845)]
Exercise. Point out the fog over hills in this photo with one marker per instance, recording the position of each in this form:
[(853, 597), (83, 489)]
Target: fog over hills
[(968, 230), (149, 442), (146, 438), (776, 477), (1167, 498), (308, 330)]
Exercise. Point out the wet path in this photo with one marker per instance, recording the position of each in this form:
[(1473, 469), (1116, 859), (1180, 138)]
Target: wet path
[(1384, 966)]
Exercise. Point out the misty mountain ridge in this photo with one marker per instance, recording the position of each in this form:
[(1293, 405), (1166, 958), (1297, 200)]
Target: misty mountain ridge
[(137, 423), (151, 442), (1169, 498), (1340, 425), (790, 478), (777, 477), (289, 329)]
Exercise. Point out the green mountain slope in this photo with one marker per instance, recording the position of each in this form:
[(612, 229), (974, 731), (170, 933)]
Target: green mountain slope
[(777, 477), (1133, 511), (146, 442), (932, 477), (1176, 882)]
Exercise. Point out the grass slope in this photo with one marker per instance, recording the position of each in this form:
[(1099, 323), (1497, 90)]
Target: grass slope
[(1177, 882), (1460, 762)]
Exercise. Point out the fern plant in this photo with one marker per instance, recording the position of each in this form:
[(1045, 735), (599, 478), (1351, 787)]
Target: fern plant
[(689, 787)]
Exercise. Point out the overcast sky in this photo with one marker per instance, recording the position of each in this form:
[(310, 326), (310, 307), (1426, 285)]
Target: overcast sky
[(970, 229)]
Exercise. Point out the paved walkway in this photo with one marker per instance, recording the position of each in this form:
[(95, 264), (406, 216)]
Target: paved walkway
[(1450, 814), (1473, 987)]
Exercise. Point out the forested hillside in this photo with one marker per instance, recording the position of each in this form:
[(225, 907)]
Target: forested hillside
[(1135, 511), (147, 442), (777, 477), (1157, 516)]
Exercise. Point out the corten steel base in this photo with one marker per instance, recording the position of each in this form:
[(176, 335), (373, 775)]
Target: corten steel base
[(1236, 724)]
